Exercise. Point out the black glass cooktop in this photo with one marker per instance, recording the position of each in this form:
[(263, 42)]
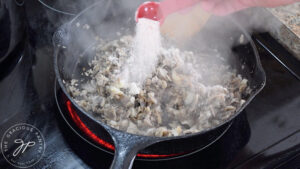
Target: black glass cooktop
[(267, 135), (27, 96)]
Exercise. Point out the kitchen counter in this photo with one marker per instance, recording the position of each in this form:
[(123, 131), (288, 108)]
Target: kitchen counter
[(289, 32), (290, 16)]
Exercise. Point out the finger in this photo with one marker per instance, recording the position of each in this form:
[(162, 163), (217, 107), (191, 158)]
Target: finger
[(230, 6), (209, 5), (222, 7)]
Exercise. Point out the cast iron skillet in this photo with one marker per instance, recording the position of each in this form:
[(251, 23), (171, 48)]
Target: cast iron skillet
[(105, 18)]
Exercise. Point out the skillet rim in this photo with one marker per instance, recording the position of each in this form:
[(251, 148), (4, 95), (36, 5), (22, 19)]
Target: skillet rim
[(57, 48)]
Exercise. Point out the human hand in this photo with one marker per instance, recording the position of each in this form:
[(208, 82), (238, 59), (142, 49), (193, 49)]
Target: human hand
[(224, 7)]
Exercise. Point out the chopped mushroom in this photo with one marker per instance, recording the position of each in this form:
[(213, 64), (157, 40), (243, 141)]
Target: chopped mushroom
[(182, 96)]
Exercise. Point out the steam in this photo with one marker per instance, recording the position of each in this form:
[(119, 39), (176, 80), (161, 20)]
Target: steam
[(216, 38), (257, 20)]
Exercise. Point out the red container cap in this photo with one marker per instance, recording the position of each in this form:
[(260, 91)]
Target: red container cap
[(149, 10)]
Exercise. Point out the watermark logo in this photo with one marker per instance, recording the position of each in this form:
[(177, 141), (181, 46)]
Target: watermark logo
[(22, 145)]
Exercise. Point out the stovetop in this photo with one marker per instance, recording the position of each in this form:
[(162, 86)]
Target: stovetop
[(267, 135)]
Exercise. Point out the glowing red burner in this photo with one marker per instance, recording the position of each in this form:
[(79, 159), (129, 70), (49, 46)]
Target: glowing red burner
[(103, 143), (85, 129)]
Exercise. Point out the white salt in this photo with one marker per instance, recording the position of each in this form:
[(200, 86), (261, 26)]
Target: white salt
[(145, 50), (134, 89)]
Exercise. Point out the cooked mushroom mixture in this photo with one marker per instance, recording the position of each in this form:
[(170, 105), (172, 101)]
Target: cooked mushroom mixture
[(184, 95)]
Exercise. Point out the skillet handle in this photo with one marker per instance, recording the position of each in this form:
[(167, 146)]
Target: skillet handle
[(124, 156), (127, 146)]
